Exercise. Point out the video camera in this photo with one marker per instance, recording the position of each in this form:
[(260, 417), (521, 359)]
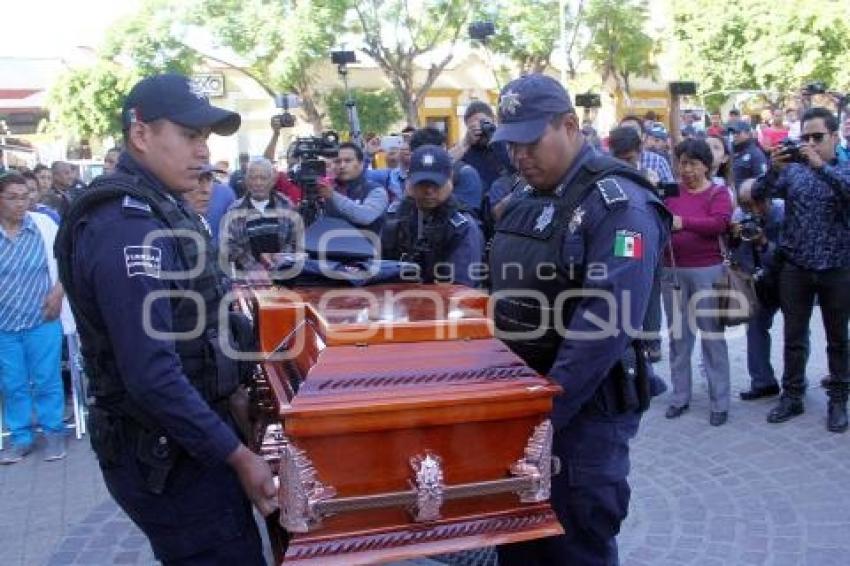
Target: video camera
[(306, 156)]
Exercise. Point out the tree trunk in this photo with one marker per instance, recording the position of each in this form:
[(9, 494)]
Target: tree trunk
[(312, 112)]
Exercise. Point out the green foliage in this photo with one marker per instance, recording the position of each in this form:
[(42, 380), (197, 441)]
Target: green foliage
[(525, 31), (396, 32), (377, 110), (281, 40), (619, 47), (762, 45), (87, 101)]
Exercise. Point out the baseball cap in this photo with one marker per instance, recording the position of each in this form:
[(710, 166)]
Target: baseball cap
[(738, 127), (527, 105), (657, 131), (430, 163), (174, 97)]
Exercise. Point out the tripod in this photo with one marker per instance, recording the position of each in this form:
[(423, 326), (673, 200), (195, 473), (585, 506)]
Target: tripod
[(350, 107)]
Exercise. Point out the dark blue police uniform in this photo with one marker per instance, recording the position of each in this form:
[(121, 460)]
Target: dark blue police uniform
[(159, 422), (599, 231)]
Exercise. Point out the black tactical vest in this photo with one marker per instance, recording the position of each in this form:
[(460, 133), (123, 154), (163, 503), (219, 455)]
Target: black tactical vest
[(213, 374), (528, 255), (440, 232)]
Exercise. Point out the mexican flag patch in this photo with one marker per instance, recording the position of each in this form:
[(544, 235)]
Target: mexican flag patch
[(628, 244)]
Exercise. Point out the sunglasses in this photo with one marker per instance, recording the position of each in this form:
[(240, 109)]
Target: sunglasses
[(816, 137)]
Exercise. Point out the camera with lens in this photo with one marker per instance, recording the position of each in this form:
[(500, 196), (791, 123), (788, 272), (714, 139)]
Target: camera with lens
[(481, 31), (751, 227), (488, 128), (285, 102), (791, 148), (263, 235)]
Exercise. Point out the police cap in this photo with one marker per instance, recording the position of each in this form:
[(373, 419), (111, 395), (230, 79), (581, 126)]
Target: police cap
[(175, 97)]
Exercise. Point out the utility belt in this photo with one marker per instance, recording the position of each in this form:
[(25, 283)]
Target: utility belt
[(114, 433), (629, 387)]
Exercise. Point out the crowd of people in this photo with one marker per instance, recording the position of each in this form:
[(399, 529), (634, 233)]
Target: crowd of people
[(731, 194), (438, 206)]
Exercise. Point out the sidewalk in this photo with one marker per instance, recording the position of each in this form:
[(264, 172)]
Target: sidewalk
[(743, 493)]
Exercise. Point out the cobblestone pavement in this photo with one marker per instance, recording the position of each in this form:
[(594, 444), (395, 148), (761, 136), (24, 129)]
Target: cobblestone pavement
[(744, 493)]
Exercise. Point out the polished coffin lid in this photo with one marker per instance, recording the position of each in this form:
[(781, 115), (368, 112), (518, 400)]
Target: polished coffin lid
[(388, 374)]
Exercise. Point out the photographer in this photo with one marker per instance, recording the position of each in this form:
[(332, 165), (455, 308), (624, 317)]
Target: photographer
[(815, 249), (253, 221), (756, 229), (352, 196), (489, 161), (431, 229)]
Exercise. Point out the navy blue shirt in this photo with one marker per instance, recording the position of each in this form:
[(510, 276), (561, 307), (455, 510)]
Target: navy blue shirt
[(490, 163), (816, 231), (617, 287), (115, 271), (749, 161)]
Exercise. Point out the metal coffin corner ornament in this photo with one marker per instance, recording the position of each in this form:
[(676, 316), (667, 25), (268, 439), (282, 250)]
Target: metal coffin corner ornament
[(300, 491), (536, 464), (429, 486)]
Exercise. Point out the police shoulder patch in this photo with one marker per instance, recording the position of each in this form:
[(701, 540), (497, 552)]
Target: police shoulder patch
[(458, 219), (611, 191), (143, 260), (135, 204)]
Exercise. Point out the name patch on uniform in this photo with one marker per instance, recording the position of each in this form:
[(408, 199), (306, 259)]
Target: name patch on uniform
[(628, 244), (143, 260)]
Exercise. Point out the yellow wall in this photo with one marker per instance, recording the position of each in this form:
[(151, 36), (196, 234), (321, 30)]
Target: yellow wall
[(642, 102)]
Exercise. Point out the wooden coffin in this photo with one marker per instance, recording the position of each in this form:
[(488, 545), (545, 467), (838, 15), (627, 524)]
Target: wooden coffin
[(407, 429)]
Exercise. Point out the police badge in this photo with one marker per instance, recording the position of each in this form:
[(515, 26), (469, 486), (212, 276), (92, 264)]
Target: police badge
[(509, 102), (576, 220), (545, 218)]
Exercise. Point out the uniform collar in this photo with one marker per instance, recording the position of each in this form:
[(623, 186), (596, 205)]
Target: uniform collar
[(585, 153), (127, 164)]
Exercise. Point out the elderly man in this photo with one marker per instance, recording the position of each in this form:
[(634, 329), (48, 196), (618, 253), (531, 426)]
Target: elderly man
[(259, 223)]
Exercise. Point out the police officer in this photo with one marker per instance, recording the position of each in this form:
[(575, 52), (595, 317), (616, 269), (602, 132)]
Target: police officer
[(749, 162), (145, 293), (431, 228), (572, 262)]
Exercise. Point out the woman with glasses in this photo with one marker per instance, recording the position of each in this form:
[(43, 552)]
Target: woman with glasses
[(693, 264)]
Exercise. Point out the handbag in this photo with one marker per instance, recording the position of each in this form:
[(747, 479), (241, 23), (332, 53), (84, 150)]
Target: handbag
[(737, 300)]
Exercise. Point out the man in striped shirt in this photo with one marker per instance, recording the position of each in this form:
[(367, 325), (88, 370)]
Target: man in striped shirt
[(30, 331)]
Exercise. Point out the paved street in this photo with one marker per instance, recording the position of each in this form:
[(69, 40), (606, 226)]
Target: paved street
[(744, 493)]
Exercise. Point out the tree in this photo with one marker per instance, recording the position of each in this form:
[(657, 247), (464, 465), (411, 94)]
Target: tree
[(762, 45), (87, 101), (282, 40), (527, 32), (398, 32), (377, 110), (619, 47)]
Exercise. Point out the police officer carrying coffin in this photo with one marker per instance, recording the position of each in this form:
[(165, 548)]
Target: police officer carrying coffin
[(145, 290), (431, 228), (573, 259)]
